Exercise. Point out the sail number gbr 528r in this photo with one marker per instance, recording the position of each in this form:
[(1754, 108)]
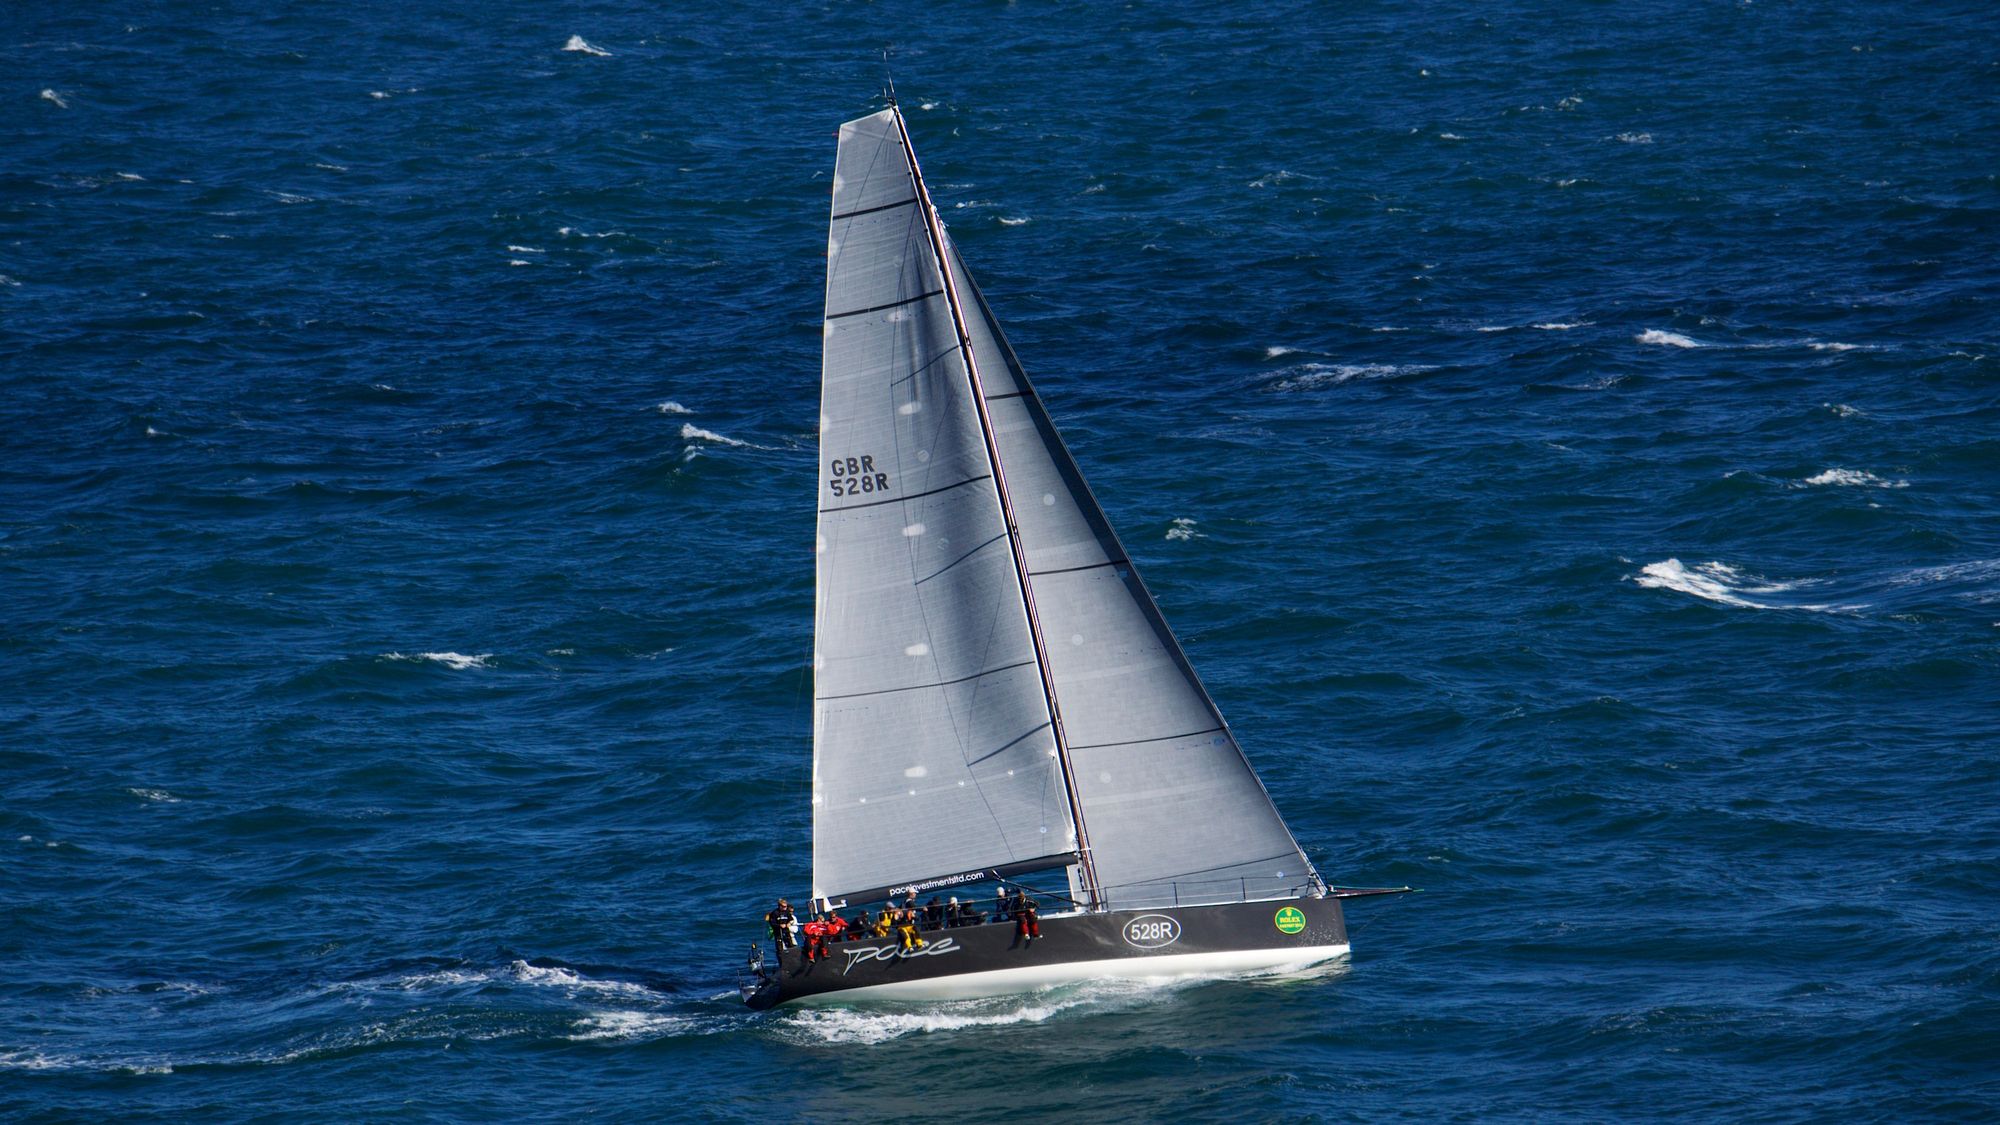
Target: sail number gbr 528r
[(853, 476)]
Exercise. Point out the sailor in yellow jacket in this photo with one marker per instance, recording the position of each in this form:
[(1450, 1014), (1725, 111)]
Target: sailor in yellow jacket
[(906, 929)]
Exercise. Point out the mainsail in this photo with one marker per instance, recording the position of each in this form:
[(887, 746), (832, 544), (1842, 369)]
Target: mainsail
[(1171, 809), (933, 750)]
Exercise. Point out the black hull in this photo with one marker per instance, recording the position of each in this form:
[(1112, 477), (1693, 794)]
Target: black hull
[(988, 960)]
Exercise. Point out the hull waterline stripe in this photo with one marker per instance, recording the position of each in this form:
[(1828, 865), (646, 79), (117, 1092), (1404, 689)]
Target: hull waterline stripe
[(1002, 982), (920, 687), (911, 496), (890, 305)]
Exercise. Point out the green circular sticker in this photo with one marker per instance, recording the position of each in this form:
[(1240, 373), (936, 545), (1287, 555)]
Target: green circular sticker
[(1291, 920)]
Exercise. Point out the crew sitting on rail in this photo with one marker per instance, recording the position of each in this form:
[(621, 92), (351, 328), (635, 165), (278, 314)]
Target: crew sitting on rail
[(883, 923), (1027, 921), (815, 932), (906, 929)]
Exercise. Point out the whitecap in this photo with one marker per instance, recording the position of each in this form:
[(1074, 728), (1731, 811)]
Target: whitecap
[(1841, 409), (457, 661), (1835, 346), (672, 407), (132, 176), (1183, 529), (51, 96), (519, 262), (568, 232), (160, 795), (1724, 584), (579, 44), (1560, 325), (1492, 327), (692, 432), (511, 249), (1311, 375), (378, 93), (1667, 339), (1450, 137), (1007, 222), (1634, 138), (1853, 478), (628, 1025), (1275, 352)]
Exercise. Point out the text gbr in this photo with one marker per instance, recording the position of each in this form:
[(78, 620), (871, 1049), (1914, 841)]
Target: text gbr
[(852, 476)]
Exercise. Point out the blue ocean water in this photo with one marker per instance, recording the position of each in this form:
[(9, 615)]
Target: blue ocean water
[(1563, 436)]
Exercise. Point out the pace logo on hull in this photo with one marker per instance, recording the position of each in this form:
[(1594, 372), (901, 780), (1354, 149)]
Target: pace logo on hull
[(895, 953), (1151, 931)]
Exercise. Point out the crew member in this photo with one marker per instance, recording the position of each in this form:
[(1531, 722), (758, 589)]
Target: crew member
[(780, 919), (815, 931), (1027, 921), (906, 929)]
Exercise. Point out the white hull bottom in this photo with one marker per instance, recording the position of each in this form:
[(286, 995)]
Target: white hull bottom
[(1008, 982)]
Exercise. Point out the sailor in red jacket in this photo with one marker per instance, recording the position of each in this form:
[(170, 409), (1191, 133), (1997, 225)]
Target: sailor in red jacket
[(815, 932)]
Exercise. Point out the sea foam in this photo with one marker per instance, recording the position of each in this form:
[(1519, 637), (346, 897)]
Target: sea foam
[(692, 432), (1853, 478), (1726, 585), (579, 44), (457, 661), (1666, 339)]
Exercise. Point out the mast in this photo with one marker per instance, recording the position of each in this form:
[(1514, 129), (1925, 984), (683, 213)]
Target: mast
[(934, 229)]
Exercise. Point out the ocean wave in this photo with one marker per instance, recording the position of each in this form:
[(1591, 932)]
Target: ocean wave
[(672, 407), (457, 661), (1726, 585), (159, 795), (1183, 529), (1634, 138), (629, 1025), (1310, 375), (1667, 339), (1842, 410), (1853, 478), (49, 95), (580, 45), (1013, 222), (692, 432), (1560, 325)]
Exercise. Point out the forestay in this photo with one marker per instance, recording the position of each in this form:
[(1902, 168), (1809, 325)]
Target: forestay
[(933, 750), (1173, 810)]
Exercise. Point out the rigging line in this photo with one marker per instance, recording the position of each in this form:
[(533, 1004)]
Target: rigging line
[(920, 687), (1010, 745), (1140, 741), (860, 211), (1087, 566), (1204, 871), (880, 308), (959, 559), (934, 227)]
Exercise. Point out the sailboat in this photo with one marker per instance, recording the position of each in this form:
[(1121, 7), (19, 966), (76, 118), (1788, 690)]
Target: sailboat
[(995, 693)]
